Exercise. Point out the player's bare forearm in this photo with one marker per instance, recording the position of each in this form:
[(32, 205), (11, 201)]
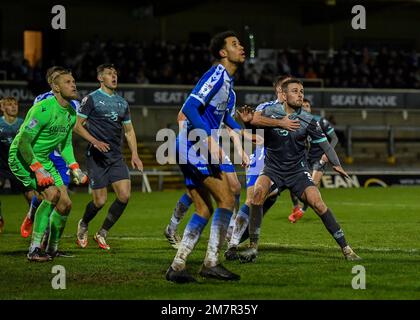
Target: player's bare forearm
[(132, 142), (25, 148), (259, 120), (81, 131), (130, 135), (234, 136), (237, 142)]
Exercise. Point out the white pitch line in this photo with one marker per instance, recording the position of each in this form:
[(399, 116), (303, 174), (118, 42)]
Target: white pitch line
[(275, 244), (406, 250), (268, 244)]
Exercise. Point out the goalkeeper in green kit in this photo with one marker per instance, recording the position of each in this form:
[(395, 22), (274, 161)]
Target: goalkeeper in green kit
[(48, 126)]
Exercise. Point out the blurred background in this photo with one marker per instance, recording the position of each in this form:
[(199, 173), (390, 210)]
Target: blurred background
[(366, 82)]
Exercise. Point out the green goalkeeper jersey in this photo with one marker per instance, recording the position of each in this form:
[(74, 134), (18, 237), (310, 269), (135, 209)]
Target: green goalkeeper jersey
[(47, 126)]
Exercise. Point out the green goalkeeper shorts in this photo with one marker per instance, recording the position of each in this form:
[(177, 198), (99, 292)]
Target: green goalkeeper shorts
[(25, 174)]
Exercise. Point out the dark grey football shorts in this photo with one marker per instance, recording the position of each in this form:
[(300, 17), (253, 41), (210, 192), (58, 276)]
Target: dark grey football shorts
[(296, 181), (102, 175)]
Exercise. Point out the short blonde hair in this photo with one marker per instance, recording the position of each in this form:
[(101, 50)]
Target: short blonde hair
[(54, 76), (52, 72)]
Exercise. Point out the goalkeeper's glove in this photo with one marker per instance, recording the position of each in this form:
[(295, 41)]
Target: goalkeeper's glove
[(79, 177), (43, 177)]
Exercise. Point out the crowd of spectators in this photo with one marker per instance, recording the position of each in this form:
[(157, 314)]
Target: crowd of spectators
[(161, 62)]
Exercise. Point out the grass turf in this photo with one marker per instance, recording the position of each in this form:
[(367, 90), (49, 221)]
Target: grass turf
[(296, 261)]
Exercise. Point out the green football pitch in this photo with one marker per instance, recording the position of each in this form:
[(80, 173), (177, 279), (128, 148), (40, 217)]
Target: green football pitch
[(296, 261)]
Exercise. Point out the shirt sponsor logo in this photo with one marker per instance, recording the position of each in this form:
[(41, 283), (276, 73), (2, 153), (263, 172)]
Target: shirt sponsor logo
[(221, 106), (58, 129), (113, 116)]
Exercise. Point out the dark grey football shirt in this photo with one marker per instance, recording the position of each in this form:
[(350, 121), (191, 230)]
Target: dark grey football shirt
[(286, 150), (105, 116), (315, 150)]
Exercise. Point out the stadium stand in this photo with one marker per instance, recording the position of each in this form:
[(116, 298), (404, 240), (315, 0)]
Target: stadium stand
[(161, 62)]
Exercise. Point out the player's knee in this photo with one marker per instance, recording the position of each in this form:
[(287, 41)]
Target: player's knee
[(99, 202), (258, 196), (235, 188), (53, 195), (319, 206), (64, 207), (124, 197)]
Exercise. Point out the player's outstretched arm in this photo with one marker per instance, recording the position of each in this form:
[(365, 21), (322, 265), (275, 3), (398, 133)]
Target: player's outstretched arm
[(130, 135), (245, 113), (259, 120), (333, 158), (235, 136), (81, 131), (333, 143), (334, 139), (234, 130)]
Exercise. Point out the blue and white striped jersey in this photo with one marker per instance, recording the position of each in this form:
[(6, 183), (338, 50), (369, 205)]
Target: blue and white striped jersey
[(215, 92)]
